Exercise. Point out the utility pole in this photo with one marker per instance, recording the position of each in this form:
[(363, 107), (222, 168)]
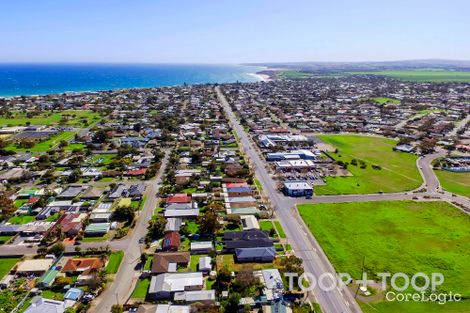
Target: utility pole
[(362, 275)]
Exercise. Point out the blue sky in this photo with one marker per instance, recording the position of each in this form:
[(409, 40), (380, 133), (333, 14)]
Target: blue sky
[(172, 31)]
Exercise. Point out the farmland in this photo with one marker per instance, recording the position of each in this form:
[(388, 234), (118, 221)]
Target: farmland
[(425, 75), (398, 170)]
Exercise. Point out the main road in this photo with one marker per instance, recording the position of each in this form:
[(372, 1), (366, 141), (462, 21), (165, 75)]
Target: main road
[(304, 244)]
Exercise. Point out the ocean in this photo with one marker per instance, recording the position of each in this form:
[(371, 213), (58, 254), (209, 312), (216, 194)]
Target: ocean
[(40, 79)]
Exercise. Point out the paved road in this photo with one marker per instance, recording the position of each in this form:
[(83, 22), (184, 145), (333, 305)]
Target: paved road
[(298, 234), (459, 126), (126, 278), (315, 261)]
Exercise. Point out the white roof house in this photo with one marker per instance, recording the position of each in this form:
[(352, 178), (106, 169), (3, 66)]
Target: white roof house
[(205, 264), (172, 282), (171, 308), (195, 296), (249, 222)]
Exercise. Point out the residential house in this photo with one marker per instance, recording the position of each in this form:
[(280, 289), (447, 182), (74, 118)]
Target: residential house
[(255, 254), (171, 241), (42, 305), (164, 262), (164, 286), (252, 238)]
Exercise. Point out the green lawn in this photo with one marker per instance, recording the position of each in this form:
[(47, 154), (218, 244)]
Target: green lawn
[(279, 229), (148, 263), (395, 236), (4, 239), (20, 202), (189, 190), (140, 291), (21, 219), (6, 264), (266, 225), (398, 170), (458, 183), (94, 239), (431, 75), (103, 159), (258, 184), (73, 117), (53, 217), (114, 262), (192, 227), (51, 294), (74, 146), (385, 100)]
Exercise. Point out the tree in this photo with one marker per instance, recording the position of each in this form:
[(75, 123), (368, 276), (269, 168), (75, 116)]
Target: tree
[(124, 213), (56, 249), (100, 136), (224, 277), (143, 258), (245, 279), (209, 223), (156, 228), (233, 302), (137, 127), (63, 281), (42, 251), (7, 206), (117, 308), (75, 176)]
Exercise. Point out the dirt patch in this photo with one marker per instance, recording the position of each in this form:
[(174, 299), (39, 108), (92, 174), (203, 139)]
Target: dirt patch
[(325, 147)]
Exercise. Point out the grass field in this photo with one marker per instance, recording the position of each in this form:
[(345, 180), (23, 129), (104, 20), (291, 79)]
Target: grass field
[(398, 173), (74, 146), (46, 145), (395, 236), (416, 307), (114, 262), (384, 100), (6, 264), (293, 75), (71, 117), (458, 183), (430, 75)]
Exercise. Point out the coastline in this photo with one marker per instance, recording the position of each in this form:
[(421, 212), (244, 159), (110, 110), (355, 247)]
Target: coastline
[(261, 77), (18, 80)]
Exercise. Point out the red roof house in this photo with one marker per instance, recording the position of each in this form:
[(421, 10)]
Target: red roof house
[(171, 241), (179, 198), (138, 172)]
